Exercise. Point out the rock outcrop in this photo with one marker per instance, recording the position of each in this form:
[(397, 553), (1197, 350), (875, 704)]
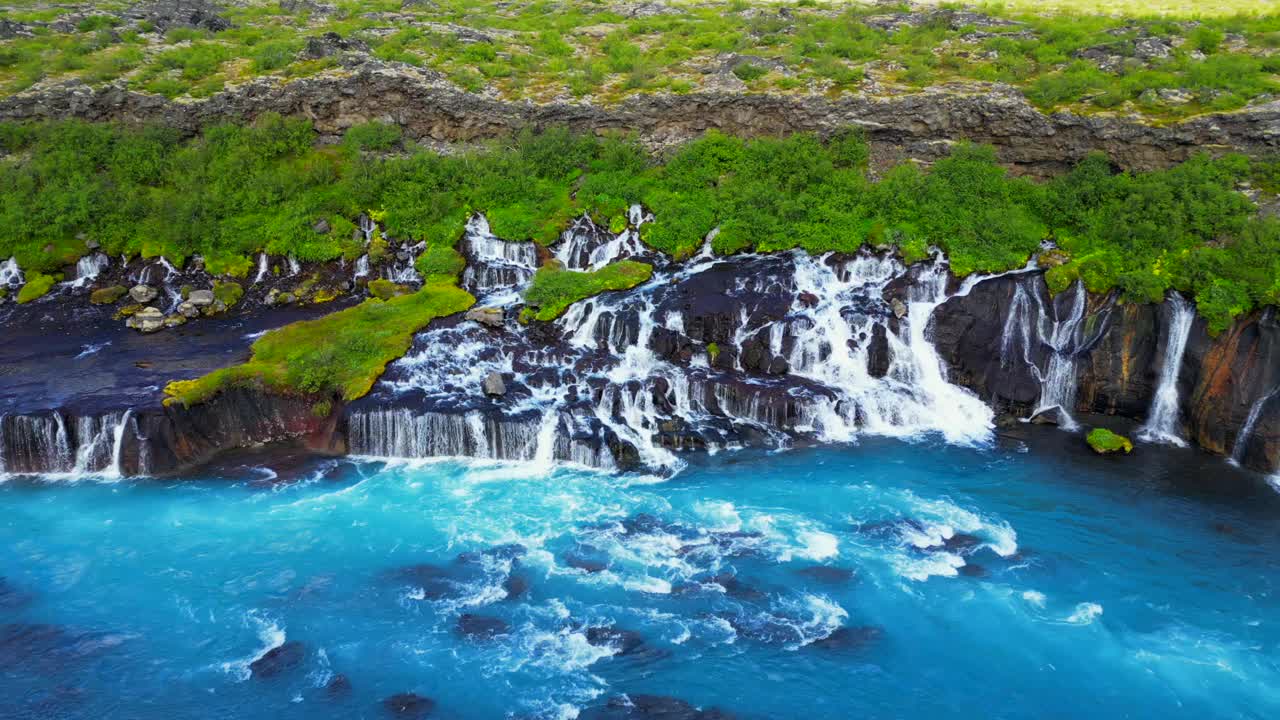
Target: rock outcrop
[(920, 125)]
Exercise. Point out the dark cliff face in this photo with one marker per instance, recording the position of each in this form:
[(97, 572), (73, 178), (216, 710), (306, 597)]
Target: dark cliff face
[(1118, 360), (179, 438), (918, 126)]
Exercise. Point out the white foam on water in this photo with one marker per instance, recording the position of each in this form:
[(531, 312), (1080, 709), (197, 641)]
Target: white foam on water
[(1084, 614), (818, 545), (1034, 597), (92, 349), (271, 636)]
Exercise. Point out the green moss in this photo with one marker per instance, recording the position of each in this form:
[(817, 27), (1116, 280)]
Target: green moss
[(1104, 442), (37, 285), (107, 295), (385, 289), (554, 289), (338, 356)]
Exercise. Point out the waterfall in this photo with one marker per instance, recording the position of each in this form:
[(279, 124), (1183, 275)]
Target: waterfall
[(10, 273), (1163, 424), (87, 269), (1250, 422), (1058, 384), (1018, 331), (362, 267), (496, 268), (584, 246), (914, 396), (263, 269), (52, 444), (294, 266)]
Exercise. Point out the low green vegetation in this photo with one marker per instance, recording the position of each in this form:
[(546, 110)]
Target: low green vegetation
[(1105, 442), (236, 191), (554, 289), (338, 356), (1165, 59)]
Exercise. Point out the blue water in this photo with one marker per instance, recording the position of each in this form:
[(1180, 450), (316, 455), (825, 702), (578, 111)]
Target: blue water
[(1071, 587)]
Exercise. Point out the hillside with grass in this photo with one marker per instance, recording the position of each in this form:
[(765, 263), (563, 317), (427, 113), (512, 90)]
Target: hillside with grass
[(1163, 60)]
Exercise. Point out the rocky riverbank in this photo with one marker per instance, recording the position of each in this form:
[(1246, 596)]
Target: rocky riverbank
[(712, 353)]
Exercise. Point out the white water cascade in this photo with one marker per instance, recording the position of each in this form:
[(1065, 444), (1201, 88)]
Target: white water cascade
[(87, 269), (92, 445), (1246, 430), (263, 268), (362, 267), (1163, 424), (585, 246), (495, 264), (1059, 382), (10, 273)]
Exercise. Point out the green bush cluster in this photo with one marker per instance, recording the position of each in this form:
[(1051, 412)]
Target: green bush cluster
[(554, 289), (236, 191)]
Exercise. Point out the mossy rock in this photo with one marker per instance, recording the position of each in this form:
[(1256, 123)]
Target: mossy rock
[(108, 295), (1105, 442), (324, 295), (129, 310), (228, 292), (385, 289), (38, 284)]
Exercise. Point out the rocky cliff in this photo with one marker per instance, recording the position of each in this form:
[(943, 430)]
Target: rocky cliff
[(919, 125)]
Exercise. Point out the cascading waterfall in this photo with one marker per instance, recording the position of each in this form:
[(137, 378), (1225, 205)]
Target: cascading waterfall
[(294, 266), (362, 267), (584, 246), (263, 268), (1019, 332), (87, 269), (10, 273), (1246, 430), (602, 387), (1163, 424), (1058, 383), (52, 444)]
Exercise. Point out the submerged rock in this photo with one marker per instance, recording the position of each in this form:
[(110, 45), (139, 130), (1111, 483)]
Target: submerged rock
[(654, 707), (847, 638), (278, 660), (339, 686), (409, 705), (481, 627), (828, 574)]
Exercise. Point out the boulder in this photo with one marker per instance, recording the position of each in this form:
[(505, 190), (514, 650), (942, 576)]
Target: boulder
[(201, 298), (174, 320), (143, 294), (322, 227), (107, 295), (166, 14), (899, 308), (329, 44), (493, 385), (489, 317), (481, 627), (147, 320), (338, 686), (188, 310), (409, 705), (279, 659)]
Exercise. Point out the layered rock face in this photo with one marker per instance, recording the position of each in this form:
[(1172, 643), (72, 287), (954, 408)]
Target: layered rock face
[(1225, 386), (714, 352), (918, 126)]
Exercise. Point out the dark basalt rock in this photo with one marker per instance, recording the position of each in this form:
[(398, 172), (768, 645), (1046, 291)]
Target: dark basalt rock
[(515, 586), (627, 642), (970, 570), (588, 559), (331, 43), (409, 706), (481, 627), (962, 543), (279, 660), (166, 14), (338, 686), (847, 638), (650, 707)]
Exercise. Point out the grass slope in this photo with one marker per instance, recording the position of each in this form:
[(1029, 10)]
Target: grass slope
[(336, 356)]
